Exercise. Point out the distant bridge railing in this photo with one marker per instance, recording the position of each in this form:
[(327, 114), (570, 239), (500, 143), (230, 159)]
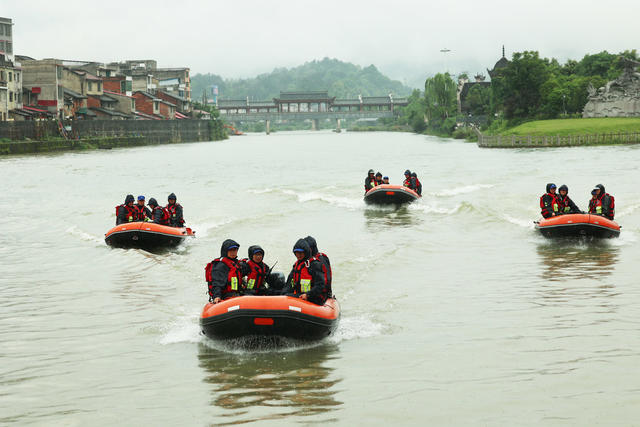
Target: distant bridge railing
[(314, 115)]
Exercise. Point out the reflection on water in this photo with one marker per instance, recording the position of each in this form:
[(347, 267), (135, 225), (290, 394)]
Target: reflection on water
[(390, 216), (563, 260), (270, 385), (564, 263)]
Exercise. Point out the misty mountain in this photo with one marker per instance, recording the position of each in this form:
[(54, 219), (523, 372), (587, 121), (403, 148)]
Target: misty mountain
[(341, 79)]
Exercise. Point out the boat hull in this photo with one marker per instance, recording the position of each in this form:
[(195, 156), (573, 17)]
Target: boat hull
[(579, 225), (146, 235), (280, 316), (387, 194)]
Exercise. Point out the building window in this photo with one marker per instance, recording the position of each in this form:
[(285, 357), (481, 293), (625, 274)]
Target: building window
[(59, 72), (99, 86), (60, 94), (133, 104), (2, 46), (18, 77), (90, 86), (7, 30), (10, 96), (9, 47), (10, 76)]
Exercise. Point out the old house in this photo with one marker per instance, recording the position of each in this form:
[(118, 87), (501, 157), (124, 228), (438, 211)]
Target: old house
[(183, 105), (10, 73), (174, 80), (42, 79)]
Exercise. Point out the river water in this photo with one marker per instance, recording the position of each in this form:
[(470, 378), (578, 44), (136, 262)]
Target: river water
[(454, 310)]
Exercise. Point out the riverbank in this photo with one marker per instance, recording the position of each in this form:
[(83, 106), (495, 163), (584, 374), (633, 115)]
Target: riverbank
[(563, 133), (42, 137)]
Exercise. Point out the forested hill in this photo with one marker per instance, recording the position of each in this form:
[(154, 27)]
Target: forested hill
[(342, 79)]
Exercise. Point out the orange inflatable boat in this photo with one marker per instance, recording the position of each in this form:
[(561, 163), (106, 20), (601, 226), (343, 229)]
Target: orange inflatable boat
[(146, 235), (578, 225), (387, 194), (280, 315)]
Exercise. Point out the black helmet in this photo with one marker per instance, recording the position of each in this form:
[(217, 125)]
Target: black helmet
[(370, 172), (407, 172), (379, 174), (601, 187), (563, 187), (550, 186), (413, 174), (254, 249), (129, 198), (172, 196), (152, 202)]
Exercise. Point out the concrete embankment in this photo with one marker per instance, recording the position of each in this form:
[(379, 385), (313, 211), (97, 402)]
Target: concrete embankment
[(45, 136)]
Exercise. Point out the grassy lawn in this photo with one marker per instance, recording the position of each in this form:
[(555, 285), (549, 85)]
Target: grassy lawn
[(577, 126)]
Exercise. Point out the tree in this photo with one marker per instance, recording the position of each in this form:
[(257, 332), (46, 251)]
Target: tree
[(517, 87), (440, 97)]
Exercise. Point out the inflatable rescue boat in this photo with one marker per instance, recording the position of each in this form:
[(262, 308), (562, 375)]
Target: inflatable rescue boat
[(280, 315), (578, 225), (146, 235), (387, 194)]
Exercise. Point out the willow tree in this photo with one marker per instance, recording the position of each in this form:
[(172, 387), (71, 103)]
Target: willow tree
[(440, 101)]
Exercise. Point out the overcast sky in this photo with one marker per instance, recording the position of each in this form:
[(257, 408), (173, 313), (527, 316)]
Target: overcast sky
[(242, 38)]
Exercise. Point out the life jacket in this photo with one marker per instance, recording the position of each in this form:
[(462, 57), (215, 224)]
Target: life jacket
[(598, 205), (132, 212), (140, 213), (326, 271), (373, 183), (418, 185), (257, 275), (563, 204), (407, 182), (234, 278), (555, 205), (165, 215), (172, 213), (301, 280)]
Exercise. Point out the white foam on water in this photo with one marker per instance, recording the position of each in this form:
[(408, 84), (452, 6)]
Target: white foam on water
[(626, 237), (342, 202), (184, 329), (435, 209), (261, 191), (75, 231), (627, 211), (355, 327), (525, 223), (462, 190), (202, 230)]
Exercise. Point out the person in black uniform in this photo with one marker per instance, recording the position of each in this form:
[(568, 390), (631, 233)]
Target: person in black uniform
[(566, 205), (126, 211), (144, 214), (306, 280), (175, 211), (226, 273), (369, 181)]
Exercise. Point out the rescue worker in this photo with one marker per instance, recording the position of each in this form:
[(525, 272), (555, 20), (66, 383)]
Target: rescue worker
[(175, 211), (159, 215), (224, 274), (566, 205), (369, 181), (549, 203), (602, 203), (126, 212), (378, 178), (416, 184), (143, 212), (306, 280), (257, 272), (326, 265), (385, 180), (407, 178)]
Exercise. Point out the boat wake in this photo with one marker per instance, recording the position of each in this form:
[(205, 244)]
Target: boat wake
[(75, 231), (461, 190)]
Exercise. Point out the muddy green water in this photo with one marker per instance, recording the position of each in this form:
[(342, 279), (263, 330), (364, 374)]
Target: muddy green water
[(454, 310)]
